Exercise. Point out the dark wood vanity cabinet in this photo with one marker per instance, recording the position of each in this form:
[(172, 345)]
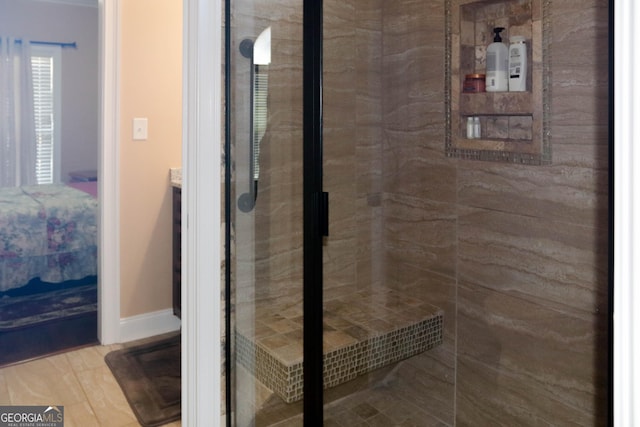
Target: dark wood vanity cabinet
[(176, 231)]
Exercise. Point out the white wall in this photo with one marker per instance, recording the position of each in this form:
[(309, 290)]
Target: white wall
[(44, 21)]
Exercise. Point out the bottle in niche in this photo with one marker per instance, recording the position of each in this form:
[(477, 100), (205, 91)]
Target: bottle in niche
[(470, 128), (517, 64), (497, 78), (476, 128)]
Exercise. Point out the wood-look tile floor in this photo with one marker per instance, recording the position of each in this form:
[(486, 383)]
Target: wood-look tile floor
[(79, 380)]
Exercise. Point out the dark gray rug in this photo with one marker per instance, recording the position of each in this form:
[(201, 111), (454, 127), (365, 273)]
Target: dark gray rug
[(149, 376)]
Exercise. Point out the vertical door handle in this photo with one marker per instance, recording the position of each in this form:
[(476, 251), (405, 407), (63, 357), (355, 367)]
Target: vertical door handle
[(247, 201)]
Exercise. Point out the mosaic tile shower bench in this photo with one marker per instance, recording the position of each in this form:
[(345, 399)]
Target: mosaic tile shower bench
[(364, 331)]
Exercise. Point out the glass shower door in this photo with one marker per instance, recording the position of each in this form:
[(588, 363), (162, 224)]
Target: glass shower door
[(322, 324), (266, 131), (381, 302)]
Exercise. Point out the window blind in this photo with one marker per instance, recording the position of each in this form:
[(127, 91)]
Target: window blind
[(45, 72), (43, 111)]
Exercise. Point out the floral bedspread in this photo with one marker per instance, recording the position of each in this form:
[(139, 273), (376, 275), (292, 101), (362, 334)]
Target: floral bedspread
[(46, 231)]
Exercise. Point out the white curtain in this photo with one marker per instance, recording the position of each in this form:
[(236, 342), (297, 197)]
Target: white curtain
[(17, 128)]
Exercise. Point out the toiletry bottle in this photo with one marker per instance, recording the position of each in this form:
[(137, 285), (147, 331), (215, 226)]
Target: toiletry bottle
[(477, 133), (517, 64), (497, 64), (469, 127)]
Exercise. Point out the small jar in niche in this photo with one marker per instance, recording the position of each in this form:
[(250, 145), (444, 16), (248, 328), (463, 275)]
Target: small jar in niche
[(474, 83)]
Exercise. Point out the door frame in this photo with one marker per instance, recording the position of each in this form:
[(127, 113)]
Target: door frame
[(109, 177), (202, 341), (201, 153), (626, 213)]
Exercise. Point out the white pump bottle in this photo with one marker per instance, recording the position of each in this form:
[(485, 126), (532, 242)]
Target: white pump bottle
[(497, 79)]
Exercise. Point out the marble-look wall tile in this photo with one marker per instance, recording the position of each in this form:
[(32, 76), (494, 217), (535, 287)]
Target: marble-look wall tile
[(587, 156), (580, 34), (411, 62), (427, 381), (339, 256), (406, 23), (580, 83), (368, 84), (407, 98), (367, 57), (425, 285), (521, 363), (414, 102), (551, 263), (249, 18), (532, 254), (273, 234), (579, 99), (339, 158), (564, 193), (421, 232), (370, 264), (419, 192), (341, 142), (368, 167), (415, 168), (368, 14)]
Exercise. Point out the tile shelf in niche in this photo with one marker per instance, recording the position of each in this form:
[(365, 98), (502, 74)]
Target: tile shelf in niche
[(498, 132), (495, 103)]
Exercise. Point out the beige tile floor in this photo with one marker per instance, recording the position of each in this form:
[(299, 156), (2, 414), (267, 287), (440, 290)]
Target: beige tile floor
[(79, 380)]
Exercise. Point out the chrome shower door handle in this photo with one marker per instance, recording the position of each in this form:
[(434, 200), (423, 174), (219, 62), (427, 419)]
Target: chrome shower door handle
[(247, 201)]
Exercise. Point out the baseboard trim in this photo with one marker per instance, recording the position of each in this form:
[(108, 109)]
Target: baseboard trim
[(148, 325)]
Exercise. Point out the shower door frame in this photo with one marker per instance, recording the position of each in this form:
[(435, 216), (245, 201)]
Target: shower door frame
[(315, 215)]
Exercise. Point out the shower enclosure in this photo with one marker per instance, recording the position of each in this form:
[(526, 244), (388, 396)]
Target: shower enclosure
[(378, 277), (322, 286)]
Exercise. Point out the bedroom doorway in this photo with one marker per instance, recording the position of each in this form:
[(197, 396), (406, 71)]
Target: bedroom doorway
[(49, 228)]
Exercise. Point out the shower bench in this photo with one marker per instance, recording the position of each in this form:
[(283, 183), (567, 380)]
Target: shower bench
[(363, 331)]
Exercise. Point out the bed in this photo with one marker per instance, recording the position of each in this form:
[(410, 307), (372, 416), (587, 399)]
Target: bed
[(47, 232)]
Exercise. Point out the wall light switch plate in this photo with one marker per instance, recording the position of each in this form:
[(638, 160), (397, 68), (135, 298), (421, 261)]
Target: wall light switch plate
[(140, 129)]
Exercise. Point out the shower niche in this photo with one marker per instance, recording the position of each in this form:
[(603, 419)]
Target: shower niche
[(514, 126)]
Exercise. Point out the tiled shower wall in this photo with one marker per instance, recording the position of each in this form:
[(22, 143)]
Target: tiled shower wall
[(516, 256), (419, 182), (269, 238)]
